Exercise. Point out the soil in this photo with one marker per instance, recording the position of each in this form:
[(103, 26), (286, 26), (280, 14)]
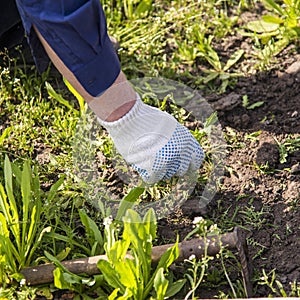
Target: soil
[(255, 177), (276, 192)]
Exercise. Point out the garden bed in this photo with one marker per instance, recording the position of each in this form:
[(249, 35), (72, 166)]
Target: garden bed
[(259, 111)]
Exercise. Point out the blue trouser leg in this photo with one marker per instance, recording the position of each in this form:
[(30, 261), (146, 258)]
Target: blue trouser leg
[(77, 32)]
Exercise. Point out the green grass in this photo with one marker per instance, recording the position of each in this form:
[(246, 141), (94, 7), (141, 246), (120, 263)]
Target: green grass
[(179, 40)]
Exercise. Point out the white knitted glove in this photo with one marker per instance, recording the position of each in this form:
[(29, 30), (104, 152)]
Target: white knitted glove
[(154, 143)]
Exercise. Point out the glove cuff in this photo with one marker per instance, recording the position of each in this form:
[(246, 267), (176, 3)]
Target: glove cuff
[(140, 133), (135, 111)]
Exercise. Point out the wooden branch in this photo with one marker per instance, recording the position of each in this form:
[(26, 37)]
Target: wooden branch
[(198, 246)]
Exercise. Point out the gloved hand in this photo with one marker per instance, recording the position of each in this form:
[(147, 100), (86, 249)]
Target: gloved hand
[(154, 143)]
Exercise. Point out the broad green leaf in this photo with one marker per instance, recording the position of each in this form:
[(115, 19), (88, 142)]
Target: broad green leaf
[(135, 233), (63, 278), (160, 284), (272, 19), (175, 288), (150, 227), (128, 274), (213, 59), (9, 190), (17, 172), (128, 201), (59, 280), (92, 230), (110, 275), (57, 96), (206, 51), (134, 230), (272, 4), (63, 254), (94, 249), (132, 217), (211, 76), (150, 223), (169, 256), (143, 8), (8, 173), (74, 279), (118, 250), (5, 134), (25, 191), (3, 226), (114, 294), (234, 58), (79, 98), (261, 26), (31, 231), (68, 240), (256, 105), (165, 261), (211, 55), (54, 188)]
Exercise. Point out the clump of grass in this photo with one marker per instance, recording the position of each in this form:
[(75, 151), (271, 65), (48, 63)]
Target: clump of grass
[(36, 119), (178, 40), (274, 31), (169, 41)]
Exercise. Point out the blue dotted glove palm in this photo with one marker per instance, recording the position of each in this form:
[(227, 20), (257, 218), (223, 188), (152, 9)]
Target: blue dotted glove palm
[(154, 143)]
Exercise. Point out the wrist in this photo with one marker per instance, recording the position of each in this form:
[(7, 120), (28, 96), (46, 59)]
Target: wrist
[(115, 102), (120, 112)]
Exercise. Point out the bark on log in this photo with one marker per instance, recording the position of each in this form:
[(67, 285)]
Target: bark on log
[(44, 273)]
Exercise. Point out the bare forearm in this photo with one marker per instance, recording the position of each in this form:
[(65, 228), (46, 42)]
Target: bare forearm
[(111, 105)]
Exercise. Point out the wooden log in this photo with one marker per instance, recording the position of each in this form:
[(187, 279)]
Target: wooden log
[(198, 246)]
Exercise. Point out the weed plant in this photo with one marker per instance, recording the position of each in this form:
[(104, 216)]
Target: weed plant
[(172, 38), (179, 40), (22, 218), (275, 30)]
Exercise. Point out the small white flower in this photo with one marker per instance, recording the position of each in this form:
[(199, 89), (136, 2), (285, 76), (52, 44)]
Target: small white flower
[(193, 256), (23, 281), (197, 220), (213, 228), (107, 221)]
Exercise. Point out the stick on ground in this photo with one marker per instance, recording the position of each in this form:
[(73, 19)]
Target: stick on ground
[(233, 241)]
